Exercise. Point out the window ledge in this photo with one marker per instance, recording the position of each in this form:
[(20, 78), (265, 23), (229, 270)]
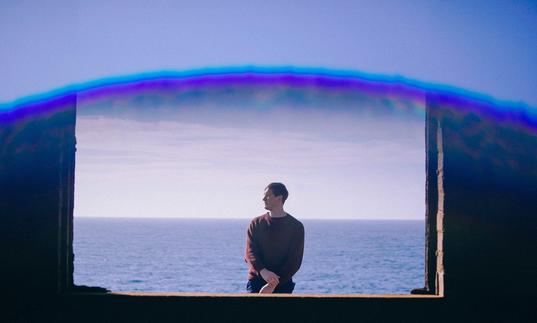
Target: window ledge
[(248, 295)]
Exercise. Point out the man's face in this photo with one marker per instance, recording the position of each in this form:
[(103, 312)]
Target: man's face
[(270, 200)]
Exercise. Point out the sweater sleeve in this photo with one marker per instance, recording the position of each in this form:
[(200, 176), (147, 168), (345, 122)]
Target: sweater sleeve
[(294, 258), (252, 256)]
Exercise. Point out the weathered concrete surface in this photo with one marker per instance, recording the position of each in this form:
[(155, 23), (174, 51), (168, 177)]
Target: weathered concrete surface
[(490, 212), (36, 181)]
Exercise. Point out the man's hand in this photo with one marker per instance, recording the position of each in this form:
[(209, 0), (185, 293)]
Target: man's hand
[(270, 277), (267, 289)]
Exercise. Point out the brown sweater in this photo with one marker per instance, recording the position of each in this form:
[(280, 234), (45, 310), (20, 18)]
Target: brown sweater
[(276, 244)]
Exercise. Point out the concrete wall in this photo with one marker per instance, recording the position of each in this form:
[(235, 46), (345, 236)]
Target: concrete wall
[(485, 209), (36, 179), (490, 208)]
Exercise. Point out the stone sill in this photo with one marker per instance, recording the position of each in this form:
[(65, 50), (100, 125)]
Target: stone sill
[(179, 295)]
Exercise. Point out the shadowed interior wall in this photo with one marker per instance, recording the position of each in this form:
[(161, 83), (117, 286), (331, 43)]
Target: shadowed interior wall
[(490, 208), (37, 162)]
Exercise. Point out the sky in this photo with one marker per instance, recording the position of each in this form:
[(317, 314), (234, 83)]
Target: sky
[(213, 158), (485, 46)]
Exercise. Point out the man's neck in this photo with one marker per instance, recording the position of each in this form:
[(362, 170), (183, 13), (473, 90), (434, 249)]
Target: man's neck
[(277, 213)]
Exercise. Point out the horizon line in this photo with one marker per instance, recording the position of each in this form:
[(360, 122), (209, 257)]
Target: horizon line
[(235, 218)]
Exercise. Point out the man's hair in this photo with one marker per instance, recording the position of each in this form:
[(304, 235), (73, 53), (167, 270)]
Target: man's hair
[(278, 189)]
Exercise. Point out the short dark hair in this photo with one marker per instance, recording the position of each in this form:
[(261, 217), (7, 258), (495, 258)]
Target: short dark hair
[(278, 189)]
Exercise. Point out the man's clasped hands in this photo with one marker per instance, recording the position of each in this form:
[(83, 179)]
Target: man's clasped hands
[(272, 281)]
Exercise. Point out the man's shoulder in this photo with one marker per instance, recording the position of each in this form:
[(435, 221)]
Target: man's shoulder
[(295, 221), (259, 219)]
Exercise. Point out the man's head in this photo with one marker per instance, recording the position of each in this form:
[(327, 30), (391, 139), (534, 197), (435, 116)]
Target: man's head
[(275, 196)]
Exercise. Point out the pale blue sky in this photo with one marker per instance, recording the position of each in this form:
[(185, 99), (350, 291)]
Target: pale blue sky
[(484, 46), (215, 159)]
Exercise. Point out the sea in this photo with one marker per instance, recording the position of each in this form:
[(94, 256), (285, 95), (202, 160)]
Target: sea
[(207, 255)]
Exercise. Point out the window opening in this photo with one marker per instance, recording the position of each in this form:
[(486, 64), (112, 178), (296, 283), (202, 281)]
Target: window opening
[(167, 182)]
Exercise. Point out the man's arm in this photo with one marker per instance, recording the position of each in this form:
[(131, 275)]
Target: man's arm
[(253, 258), (294, 258), (252, 255)]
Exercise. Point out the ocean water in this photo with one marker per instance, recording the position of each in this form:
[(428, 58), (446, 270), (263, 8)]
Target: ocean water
[(207, 255)]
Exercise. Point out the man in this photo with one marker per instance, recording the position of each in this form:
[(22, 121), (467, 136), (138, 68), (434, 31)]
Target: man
[(274, 245)]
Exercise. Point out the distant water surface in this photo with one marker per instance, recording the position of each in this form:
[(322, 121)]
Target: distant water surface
[(207, 255)]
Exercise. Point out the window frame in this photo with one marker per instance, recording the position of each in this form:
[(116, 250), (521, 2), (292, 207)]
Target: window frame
[(434, 229)]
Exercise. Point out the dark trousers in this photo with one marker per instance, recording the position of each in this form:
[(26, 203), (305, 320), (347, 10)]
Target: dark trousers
[(255, 284)]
